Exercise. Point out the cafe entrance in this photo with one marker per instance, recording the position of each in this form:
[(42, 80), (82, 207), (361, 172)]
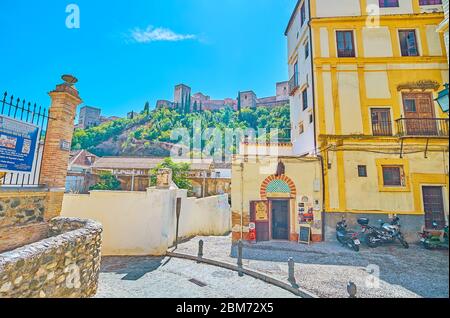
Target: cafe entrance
[(279, 219)]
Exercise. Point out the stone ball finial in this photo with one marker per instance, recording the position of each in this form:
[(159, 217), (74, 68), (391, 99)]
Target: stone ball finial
[(69, 79)]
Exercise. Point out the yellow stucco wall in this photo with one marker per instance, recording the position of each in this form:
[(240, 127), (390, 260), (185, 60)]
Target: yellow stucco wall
[(419, 171), (305, 174), (347, 89)]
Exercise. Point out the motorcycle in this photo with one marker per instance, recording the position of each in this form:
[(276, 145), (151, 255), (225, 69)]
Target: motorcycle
[(386, 233), (347, 238), (434, 239)]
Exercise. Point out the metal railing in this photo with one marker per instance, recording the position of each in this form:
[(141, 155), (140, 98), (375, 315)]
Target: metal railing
[(30, 113), (294, 84), (382, 128), (422, 127)]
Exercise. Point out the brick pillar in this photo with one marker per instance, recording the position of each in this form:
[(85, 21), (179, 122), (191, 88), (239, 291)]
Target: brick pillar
[(65, 100)]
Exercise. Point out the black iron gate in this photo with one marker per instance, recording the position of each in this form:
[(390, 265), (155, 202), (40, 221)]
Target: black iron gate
[(31, 113)]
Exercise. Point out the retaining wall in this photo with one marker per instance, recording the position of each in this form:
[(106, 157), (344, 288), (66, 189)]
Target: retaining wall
[(66, 264)]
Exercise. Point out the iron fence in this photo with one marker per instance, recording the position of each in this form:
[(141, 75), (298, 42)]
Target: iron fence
[(423, 127), (294, 84), (30, 113), (382, 128)]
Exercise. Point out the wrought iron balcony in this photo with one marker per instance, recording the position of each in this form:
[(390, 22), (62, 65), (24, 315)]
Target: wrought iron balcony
[(382, 128), (293, 84), (423, 127)]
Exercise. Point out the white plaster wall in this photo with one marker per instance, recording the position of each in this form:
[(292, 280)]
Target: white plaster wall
[(298, 37), (377, 42), (433, 40), (377, 85), (405, 7), (332, 8), (328, 103), (350, 103), (324, 44), (144, 223)]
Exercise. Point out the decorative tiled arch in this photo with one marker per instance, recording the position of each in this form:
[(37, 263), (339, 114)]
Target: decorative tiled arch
[(272, 178)]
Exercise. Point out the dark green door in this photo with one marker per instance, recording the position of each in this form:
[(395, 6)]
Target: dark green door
[(433, 203), (280, 219)]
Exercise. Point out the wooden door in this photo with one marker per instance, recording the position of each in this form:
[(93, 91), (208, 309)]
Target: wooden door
[(419, 114), (433, 203), (259, 214), (280, 219)]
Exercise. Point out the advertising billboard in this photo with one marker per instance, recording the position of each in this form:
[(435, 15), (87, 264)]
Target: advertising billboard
[(18, 145)]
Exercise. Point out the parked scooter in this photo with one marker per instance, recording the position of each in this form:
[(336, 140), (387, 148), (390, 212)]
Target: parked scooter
[(386, 233), (347, 238), (434, 239)]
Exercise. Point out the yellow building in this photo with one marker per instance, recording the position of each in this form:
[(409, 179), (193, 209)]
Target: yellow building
[(364, 76), (275, 193)]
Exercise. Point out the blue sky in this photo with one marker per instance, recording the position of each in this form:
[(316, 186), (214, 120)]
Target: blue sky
[(128, 52)]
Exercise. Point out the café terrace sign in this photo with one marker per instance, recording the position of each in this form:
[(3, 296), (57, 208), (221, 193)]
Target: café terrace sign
[(422, 85)]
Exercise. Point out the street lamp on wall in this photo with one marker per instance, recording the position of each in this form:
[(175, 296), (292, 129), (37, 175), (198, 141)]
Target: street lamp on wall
[(442, 99)]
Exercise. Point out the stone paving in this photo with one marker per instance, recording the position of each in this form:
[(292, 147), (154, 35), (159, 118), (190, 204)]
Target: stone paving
[(325, 268), (153, 277)]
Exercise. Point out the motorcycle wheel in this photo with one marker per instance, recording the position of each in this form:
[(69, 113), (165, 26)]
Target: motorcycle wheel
[(339, 239), (353, 246), (427, 246), (404, 243), (371, 240)]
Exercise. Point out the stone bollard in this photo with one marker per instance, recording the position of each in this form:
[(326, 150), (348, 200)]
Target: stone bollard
[(200, 250), (239, 261), (352, 290), (291, 271)]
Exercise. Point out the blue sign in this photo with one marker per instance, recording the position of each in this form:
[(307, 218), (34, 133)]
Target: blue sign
[(18, 145)]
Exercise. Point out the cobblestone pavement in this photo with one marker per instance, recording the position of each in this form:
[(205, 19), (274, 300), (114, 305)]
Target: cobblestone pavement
[(325, 268), (153, 277)]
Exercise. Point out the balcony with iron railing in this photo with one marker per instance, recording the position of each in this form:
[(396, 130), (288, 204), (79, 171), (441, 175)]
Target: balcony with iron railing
[(294, 84), (423, 127), (382, 128)]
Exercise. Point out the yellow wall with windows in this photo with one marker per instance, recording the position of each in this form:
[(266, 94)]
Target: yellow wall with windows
[(368, 194), (347, 88)]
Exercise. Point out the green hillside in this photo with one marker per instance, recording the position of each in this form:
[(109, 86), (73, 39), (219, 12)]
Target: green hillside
[(147, 130)]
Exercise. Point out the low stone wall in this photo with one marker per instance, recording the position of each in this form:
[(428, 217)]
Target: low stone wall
[(24, 215), (144, 223), (66, 264)]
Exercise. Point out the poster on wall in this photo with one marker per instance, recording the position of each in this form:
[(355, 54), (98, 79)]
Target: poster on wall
[(261, 211), (18, 145)]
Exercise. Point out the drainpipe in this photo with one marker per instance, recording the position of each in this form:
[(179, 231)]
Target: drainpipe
[(311, 56), (242, 200), (323, 195), (313, 81)]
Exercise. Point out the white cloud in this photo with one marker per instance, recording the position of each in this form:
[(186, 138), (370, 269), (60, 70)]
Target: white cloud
[(152, 34)]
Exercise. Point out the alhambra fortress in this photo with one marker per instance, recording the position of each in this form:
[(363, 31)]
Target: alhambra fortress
[(200, 101)]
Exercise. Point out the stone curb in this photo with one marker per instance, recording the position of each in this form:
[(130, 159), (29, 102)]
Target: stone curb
[(255, 274), (280, 249)]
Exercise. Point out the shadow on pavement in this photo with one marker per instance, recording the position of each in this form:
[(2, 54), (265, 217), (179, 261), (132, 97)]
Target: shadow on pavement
[(133, 267)]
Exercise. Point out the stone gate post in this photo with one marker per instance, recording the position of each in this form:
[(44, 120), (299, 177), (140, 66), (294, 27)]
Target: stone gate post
[(64, 102)]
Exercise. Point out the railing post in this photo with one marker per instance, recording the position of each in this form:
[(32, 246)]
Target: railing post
[(200, 250), (239, 260), (352, 290), (291, 272)]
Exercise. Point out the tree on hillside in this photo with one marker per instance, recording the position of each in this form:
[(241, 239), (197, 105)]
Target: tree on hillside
[(239, 104), (107, 182), (180, 172), (147, 108), (188, 104)]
